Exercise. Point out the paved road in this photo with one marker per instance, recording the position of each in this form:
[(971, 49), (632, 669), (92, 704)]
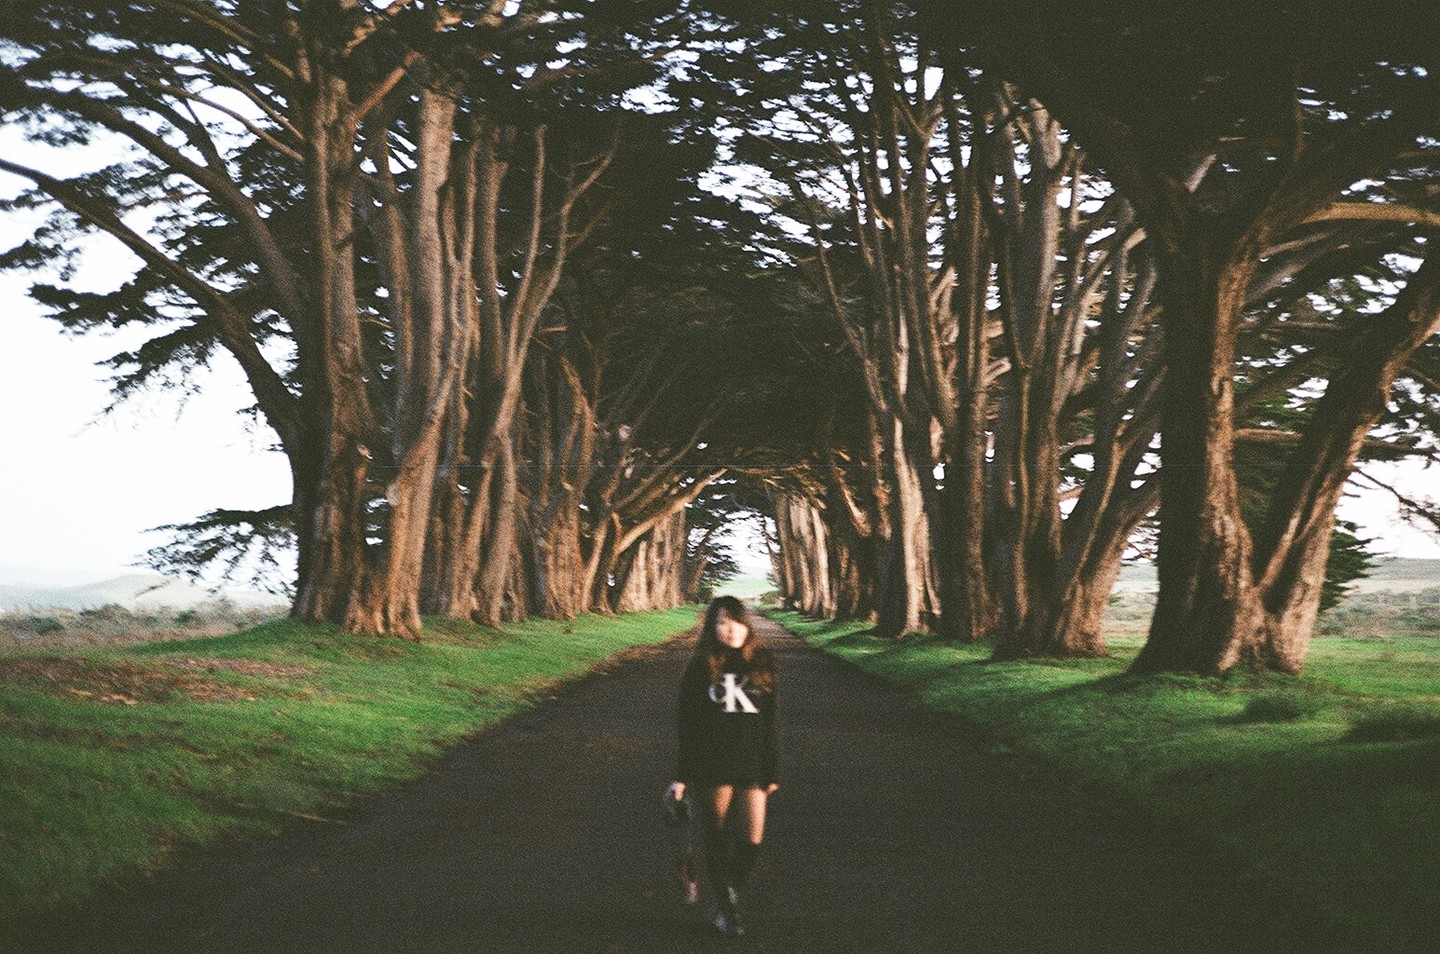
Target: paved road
[(893, 830)]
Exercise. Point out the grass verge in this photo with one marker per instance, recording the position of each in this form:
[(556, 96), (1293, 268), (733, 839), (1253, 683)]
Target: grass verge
[(112, 759), (1319, 796)]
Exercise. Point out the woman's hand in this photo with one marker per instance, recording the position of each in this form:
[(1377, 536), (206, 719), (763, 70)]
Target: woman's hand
[(676, 791), (770, 789)]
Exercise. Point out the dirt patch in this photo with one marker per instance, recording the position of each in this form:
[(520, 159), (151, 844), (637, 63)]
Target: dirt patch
[(456, 631), (115, 683), (246, 667)]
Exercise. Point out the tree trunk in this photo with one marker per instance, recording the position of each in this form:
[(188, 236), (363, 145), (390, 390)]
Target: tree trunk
[(555, 550), (854, 589), (493, 580), (338, 581), (559, 438), (653, 572), (428, 297), (905, 596), (805, 550), (333, 549), (1207, 605), (1069, 621), (695, 568), (1293, 546)]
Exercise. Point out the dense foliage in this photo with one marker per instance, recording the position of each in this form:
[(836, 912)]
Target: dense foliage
[(961, 303)]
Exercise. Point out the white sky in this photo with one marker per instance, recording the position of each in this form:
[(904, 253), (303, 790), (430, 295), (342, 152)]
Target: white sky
[(79, 493)]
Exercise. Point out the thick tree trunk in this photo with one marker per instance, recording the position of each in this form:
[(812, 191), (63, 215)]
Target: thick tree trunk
[(1293, 546), (905, 586), (822, 602), (454, 541), (559, 570), (959, 518), (1292, 603), (854, 589), (1069, 621), (652, 576), (1025, 473), (559, 438), (787, 558), (333, 549), (1075, 622), (952, 343), (495, 587), (852, 532), (394, 594), (368, 559), (967, 607), (338, 586), (805, 551), (1207, 605)]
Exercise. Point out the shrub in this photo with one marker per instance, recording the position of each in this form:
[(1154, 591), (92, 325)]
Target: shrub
[(40, 625), (1397, 723), (109, 613), (1420, 618), (1281, 706)]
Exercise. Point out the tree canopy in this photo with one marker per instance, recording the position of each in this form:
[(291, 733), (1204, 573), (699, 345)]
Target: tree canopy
[(535, 294)]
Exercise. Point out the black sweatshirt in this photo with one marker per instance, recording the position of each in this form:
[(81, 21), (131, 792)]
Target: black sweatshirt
[(727, 728)]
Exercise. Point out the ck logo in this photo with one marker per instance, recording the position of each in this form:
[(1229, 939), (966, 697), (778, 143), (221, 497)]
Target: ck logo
[(731, 695)]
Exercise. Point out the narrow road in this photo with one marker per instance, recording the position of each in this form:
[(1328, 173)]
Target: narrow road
[(893, 830)]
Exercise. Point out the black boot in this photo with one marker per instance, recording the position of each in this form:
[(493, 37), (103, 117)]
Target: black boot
[(735, 925), (742, 862), (717, 865)]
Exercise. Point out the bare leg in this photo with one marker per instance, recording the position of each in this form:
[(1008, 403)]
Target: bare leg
[(755, 800), (718, 803)]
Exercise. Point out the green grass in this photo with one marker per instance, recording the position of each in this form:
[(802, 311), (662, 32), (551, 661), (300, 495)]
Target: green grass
[(1319, 794), (114, 758)]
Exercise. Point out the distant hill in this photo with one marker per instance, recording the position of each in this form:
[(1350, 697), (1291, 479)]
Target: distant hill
[(745, 587), (1391, 574), (1400, 576), (134, 591), (1137, 578)]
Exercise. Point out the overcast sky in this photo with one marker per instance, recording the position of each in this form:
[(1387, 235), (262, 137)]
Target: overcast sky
[(80, 491)]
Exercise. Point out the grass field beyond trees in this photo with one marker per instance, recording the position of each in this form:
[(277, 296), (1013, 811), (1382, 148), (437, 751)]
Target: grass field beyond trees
[(1318, 795), (114, 757)]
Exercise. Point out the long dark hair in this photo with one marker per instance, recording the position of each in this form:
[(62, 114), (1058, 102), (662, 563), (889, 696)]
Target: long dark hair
[(711, 653)]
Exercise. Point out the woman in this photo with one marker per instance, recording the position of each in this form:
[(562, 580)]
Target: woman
[(727, 749)]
